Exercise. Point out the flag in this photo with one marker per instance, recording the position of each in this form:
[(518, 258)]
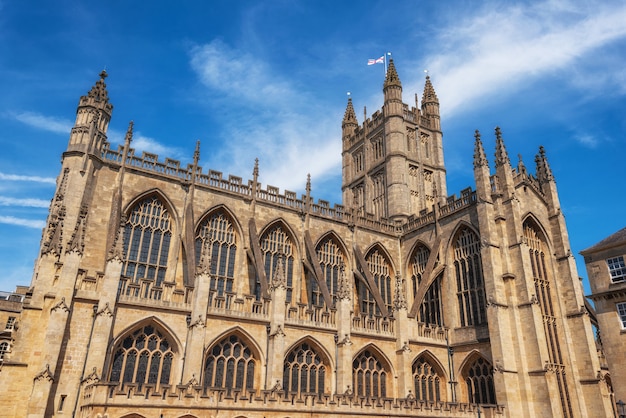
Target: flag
[(380, 60)]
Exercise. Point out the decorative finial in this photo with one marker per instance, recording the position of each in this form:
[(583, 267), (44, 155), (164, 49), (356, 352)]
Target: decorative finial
[(255, 171), (129, 132), (104, 74)]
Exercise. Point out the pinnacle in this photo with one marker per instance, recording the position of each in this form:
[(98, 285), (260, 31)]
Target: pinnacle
[(429, 95), (502, 157), (480, 159), (349, 116), (392, 75)]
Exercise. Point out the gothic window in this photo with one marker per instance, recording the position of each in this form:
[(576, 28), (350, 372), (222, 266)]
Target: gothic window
[(4, 348), (331, 259), (216, 235), (357, 159), (377, 148), (10, 323), (369, 376), (358, 199), (276, 244), (621, 311), (381, 272), (378, 191), (144, 356), (430, 309), (230, 365), (304, 371), (147, 238), (479, 380), (426, 380), (469, 279), (540, 263), (617, 269)]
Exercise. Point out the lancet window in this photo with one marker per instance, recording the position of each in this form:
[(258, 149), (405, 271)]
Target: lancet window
[(147, 236), (144, 356), (430, 311), (276, 244), (537, 248), (331, 260), (426, 380), (216, 240), (369, 376), (479, 380), (304, 371), (381, 272), (378, 192), (469, 279), (230, 364)]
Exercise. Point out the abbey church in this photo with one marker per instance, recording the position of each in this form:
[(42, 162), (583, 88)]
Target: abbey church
[(175, 292)]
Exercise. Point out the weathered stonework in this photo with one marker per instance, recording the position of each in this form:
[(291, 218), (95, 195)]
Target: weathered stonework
[(163, 290)]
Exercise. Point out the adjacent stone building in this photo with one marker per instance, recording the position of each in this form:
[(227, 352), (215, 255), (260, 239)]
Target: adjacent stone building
[(606, 270), (170, 291)]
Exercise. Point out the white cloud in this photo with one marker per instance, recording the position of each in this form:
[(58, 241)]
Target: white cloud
[(46, 123), (29, 202), (29, 223), (495, 50), (36, 179), (144, 143), (587, 140), (290, 143)]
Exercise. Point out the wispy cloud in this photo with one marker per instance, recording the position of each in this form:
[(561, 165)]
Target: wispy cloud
[(46, 123), (495, 51), (28, 202), (145, 143), (36, 179), (29, 223), (289, 144), (587, 140)]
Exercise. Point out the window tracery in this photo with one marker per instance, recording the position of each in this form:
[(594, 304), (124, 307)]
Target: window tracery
[(479, 380), (304, 371), (430, 311), (469, 279), (381, 273), (217, 234), (144, 356), (276, 244), (426, 380), (230, 364), (147, 236), (369, 376), (331, 259)]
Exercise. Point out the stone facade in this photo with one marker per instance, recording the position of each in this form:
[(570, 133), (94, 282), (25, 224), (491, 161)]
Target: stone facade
[(606, 270), (168, 291)]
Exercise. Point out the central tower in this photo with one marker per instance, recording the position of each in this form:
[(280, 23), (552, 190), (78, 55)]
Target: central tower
[(393, 164)]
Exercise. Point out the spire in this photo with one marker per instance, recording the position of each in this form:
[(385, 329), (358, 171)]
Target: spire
[(392, 78), (480, 159), (349, 117), (429, 95), (544, 172), (502, 157)]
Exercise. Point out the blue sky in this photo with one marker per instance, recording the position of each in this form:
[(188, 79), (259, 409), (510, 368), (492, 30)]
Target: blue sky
[(269, 80)]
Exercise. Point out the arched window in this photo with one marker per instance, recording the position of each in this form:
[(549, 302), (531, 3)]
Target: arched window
[(469, 279), (4, 348), (216, 235), (144, 356), (304, 371), (369, 377), (426, 379), (230, 365), (479, 380), (147, 238), (381, 271), (540, 261), (331, 260), (276, 244), (430, 309)]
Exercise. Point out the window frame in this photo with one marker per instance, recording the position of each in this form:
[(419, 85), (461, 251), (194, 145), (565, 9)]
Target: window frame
[(617, 269), (620, 308)]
